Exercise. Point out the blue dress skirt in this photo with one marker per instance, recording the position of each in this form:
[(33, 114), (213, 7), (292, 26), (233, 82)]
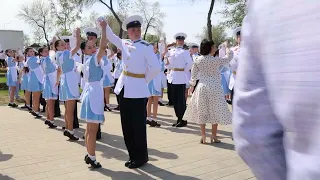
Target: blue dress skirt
[(107, 82), (47, 91), (86, 112), (64, 91), (152, 89), (10, 81), (33, 84), (24, 82)]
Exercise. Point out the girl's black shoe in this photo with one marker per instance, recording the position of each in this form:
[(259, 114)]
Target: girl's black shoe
[(94, 164)]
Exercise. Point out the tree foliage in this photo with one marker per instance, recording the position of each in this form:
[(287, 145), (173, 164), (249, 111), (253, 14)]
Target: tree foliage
[(218, 34), (233, 13), (123, 8), (66, 14), (152, 38), (37, 15), (151, 14)]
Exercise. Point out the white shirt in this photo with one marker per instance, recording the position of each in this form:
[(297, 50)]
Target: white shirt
[(179, 58), (137, 58)]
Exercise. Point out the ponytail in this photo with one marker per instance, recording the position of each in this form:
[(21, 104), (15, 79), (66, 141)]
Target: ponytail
[(82, 58)]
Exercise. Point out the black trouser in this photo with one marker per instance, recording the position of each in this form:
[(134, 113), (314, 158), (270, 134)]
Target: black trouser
[(133, 121), (169, 92), (179, 99), (43, 102), (115, 83), (232, 95), (195, 86), (57, 111), (31, 99)]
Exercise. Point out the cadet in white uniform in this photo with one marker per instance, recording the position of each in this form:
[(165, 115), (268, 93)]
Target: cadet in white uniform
[(140, 66), (194, 51), (234, 61), (179, 63)]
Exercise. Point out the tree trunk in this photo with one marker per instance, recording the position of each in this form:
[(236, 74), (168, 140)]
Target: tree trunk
[(45, 32), (209, 25), (145, 32), (115, 15)]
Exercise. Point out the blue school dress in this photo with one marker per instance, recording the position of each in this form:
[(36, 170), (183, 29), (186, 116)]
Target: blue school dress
[(69, 88), (108, 79), (155, 84), (50, 90), (36, 79), (12, 77), (92, 107), (225, 76)]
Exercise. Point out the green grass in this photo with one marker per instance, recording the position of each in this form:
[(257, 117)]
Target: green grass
[(4, 96), (3, 79)]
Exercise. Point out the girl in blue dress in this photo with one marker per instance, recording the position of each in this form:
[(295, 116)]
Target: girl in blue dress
[(25, 75), (155, 91), (108, 81), (12, 76), (35, 81), (117, 72), (68, 79), (92, 107), (50, 90)]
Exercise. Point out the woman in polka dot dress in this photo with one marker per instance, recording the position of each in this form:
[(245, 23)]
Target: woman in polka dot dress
[(207, 104)]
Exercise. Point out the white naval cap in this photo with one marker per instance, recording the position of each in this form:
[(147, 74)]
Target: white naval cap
[(65, 38), (180, 35), (237, 31), (132, 21), (91, 32), (193, 45)]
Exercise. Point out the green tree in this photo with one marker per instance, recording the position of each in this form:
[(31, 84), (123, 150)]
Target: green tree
[(151, 14), (123, 8), (233, 13), (152, 38), (218, 34), (37, 15), (66, 14)]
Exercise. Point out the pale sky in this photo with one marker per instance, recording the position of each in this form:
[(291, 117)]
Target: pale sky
[(181, 16)]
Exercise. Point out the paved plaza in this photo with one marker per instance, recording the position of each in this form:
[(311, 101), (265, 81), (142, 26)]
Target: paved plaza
[(29, 150)]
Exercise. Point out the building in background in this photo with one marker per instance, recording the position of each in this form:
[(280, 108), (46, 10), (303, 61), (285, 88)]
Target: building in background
[(11, 39)]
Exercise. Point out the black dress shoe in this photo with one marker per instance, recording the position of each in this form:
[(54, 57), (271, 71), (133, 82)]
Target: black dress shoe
[(154, 124), (175, 124), (136, 164), (72, 137), (94, 164), (127, 163), (160, 103), (182, 124), (117, 108), (14, 105), (24, 107), (148, 122), (106, 108), (51, 125)]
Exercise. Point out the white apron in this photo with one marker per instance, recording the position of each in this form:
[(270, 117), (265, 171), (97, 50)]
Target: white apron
[(39, 74), (72, 84), (157, 83), (53, 79), (13, 72)]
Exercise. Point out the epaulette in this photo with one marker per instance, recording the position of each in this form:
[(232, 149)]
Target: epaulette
[(144, 43)]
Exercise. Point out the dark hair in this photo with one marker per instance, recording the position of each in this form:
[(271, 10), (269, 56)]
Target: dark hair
[(205, 47), (83, 45), (56, 44), (41, 50), (238, 33), (119, 55), (7, 51), (216, 54)]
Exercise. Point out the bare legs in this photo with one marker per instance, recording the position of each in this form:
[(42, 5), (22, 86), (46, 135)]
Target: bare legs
[(36, 101), (90, 138), (152, 116), (213, 133), (12, 91), (27, 98), (70, 105), (106, 98), (50, 109)]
